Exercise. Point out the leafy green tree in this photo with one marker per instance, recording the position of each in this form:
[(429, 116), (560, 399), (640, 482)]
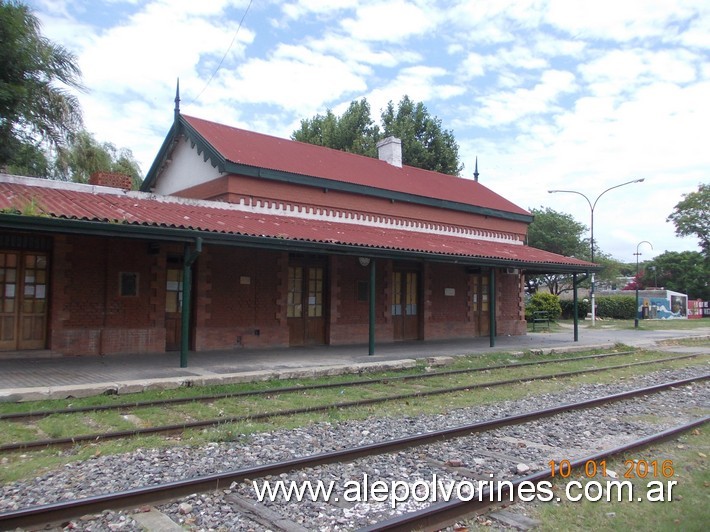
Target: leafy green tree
[(691, 216), (30, 160), (85, 156), (687, 272), (612, 269), (36, 106), (354, 131), (425, 144), (559, 233)]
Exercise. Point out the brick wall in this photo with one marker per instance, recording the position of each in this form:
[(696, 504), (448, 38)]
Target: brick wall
[(240, 298), (447, 306), (89, 316), (510, 308), (238, 291), (111, 179)]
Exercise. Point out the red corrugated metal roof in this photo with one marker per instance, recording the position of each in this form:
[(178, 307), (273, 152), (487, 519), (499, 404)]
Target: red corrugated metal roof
[(273, 153), (41, 198)]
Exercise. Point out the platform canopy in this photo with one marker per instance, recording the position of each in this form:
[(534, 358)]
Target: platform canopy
[(39, 205)]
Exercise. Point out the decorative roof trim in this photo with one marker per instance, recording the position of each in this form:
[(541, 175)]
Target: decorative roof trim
[(280, 208)]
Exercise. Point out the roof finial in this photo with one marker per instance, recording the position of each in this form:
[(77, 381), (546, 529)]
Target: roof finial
[(475, 172), (177, 99)]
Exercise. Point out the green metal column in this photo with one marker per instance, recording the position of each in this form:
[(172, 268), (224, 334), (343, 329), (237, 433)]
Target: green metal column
[(576, 281), (188, 260), (574, 307), (492, 306), (372, 309)]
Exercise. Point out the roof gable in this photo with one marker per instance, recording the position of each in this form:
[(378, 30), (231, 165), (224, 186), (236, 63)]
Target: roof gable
[(245, 152)]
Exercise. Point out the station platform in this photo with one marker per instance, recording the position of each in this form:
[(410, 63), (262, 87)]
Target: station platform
[(36, 376)]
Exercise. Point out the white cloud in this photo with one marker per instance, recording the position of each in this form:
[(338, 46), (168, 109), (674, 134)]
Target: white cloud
[(507, 107), (418, 82), (294, 78), (301, 8), (355, 51), (620, 21), (390, 21)]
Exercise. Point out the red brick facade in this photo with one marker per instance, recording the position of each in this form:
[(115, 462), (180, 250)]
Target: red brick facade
[(88, 314), (239, 298)]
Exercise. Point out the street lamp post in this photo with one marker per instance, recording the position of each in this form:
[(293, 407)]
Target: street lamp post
[(636, 315), (592, 206)]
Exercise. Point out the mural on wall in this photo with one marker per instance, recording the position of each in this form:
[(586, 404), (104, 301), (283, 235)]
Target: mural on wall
[(664, 308)]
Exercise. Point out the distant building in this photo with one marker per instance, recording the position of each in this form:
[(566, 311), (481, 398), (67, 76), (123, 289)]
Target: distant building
[(656, 304)]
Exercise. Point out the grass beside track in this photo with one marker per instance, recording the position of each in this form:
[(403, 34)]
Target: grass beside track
[(687, 511), (16, 465)]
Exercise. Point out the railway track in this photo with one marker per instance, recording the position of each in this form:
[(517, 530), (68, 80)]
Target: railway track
[(62, 511), (34, 414), (445, 513), (180, 427)]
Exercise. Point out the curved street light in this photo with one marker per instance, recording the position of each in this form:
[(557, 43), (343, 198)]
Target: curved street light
[(592, 206), (636, 316)]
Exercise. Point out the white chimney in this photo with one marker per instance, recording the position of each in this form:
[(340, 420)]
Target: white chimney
[(390, 151)]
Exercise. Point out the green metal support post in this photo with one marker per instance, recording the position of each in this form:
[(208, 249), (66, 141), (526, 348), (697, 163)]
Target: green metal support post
[(492, 306), (575, 317), (189, 258), (371, 350), (575, 284)]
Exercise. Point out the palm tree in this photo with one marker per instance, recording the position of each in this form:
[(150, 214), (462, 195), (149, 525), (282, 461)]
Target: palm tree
[(36, 76)]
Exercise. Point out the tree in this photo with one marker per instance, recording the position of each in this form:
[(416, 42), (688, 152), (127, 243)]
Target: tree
[(691, 216), (85, 156), (30, 160), (611, 270), (559, 233), (686, 272), (354, 131), (35, 105), (425, 144)]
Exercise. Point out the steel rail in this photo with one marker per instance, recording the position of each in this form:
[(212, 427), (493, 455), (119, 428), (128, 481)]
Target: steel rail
[(181, 427), (67, 510), (439, 515), (289, 389)]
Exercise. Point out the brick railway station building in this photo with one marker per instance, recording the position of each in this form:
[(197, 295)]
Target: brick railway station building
[(240, 239)]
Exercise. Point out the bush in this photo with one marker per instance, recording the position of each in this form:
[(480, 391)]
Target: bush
[(549, 303), (617, 307), (584, 307)]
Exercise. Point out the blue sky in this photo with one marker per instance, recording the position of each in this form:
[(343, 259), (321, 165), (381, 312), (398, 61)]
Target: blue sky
[(548, 94)]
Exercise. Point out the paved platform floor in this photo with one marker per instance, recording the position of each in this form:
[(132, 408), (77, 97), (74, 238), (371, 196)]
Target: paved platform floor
[(28, 378)]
